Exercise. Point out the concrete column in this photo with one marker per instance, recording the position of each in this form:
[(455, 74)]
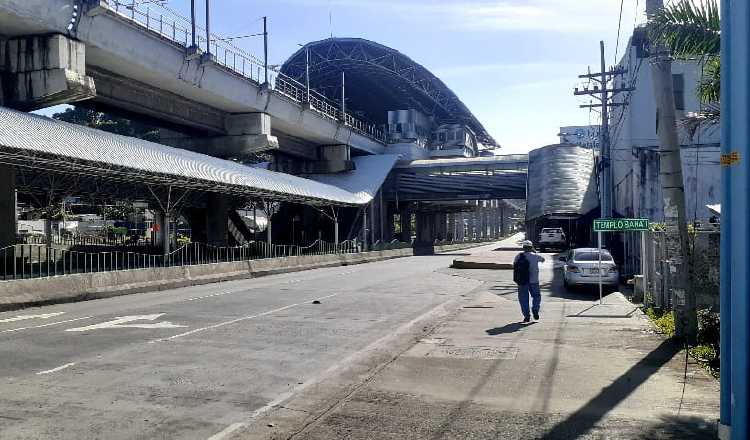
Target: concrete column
[(405, 225), (425, 227), (217, 220), (161, 237), (8, 217), (45, 70), (452, 226)]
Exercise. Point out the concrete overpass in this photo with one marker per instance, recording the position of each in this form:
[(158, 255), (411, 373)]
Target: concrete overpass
[(114, 57)]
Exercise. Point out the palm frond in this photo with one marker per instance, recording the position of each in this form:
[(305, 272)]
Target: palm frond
[(689, 28)]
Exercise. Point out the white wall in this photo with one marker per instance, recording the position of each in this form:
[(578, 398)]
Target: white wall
[(635, 141)]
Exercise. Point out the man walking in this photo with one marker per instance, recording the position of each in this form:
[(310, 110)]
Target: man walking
[(526, 275)]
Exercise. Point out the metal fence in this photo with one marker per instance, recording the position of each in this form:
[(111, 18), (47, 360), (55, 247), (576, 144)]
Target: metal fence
[(25, 261), (178, 30)]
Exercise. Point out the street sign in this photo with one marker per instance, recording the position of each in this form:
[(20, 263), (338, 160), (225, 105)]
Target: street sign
[(620, 224)]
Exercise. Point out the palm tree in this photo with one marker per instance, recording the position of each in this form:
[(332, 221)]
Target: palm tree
[(692, 30)]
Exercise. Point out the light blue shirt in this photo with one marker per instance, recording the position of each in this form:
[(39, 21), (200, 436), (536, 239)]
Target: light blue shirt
[(534, 261)]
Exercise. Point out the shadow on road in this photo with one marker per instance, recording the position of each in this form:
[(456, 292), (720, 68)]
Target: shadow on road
[(680, 427), (580, 422), (508, 328)]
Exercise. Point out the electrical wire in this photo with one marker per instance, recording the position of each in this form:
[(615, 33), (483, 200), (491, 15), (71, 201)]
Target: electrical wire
[(619, 24)]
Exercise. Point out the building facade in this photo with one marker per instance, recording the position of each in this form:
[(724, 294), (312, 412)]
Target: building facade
[(635, 142)]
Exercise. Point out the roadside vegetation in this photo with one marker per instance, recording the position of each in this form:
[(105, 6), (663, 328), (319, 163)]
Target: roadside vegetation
[(706, 351)]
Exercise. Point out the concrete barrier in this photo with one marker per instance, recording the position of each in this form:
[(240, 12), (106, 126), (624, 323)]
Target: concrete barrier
[(19, 294)]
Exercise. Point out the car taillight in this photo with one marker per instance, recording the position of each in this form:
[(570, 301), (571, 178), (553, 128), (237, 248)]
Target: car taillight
[(573, 269), (613, 269)]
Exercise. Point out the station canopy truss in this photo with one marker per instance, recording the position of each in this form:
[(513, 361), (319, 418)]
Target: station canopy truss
[(478, 178), (378, 79), (49, 153)]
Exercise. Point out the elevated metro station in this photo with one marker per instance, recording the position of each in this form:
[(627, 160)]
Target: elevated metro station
[(349, 139)]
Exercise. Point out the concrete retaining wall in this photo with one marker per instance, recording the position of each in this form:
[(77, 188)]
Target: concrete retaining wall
[(80, 287)]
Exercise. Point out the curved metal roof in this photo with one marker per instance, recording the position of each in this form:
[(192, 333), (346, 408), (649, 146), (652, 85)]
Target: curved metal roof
[(378, 79), (46, 145)]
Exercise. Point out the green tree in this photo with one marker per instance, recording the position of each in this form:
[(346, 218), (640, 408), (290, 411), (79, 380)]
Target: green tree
[(111, 124), (692, 30)]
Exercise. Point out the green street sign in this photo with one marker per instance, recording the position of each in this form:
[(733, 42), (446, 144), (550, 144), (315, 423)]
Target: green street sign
[(620, 224)]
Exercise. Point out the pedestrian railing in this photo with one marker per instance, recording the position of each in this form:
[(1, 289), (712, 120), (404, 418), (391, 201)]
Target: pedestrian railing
[(25, 261), (177, 29)]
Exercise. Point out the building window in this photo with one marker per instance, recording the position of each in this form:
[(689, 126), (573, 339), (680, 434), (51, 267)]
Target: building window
[(398, 128), (441, 137), (678, 83), (451, 136)]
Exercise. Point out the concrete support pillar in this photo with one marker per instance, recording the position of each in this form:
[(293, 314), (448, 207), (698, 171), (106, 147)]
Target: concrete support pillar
[(44, 70), (452, 226), (8, 217), (217, 220), (162, 234), (425, 227), (405, 220)]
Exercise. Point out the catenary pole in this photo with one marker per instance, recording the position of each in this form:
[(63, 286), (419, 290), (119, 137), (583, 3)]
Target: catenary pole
[(265, 48), (192, 20), (208, 27), (670, 175)]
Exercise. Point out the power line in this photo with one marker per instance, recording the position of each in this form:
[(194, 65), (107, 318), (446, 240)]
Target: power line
[(619, 24)]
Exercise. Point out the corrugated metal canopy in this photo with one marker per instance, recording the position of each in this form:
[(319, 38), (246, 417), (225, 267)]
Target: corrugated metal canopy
[(43, 144), (365, 181)]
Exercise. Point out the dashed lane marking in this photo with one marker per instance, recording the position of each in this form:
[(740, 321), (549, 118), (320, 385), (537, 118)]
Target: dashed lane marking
[(244, 318), (55, 370), (25, 317), (45, 325)]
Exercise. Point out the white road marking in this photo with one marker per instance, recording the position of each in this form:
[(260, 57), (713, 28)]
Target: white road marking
[(45, 325), (24, 317), (54, 370), (228, 430), (244, 318), (122, 322)]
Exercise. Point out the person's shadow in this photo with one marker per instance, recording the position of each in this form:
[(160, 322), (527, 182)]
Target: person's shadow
[(508, 328)]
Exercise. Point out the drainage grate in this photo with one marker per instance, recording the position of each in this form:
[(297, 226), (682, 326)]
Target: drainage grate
[(479, 307), (481, 353)]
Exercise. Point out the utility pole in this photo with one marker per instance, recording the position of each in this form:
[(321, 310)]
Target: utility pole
[(673, 189), (604, 93), (265, 48)]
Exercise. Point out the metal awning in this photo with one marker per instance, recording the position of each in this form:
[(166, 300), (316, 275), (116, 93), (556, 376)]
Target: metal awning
[(41, 144), (365, 181)]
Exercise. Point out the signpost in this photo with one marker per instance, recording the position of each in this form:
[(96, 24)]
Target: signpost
[(620, 225)]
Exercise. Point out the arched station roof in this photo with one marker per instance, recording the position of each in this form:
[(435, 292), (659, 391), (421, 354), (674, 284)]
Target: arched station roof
[(378, 79)]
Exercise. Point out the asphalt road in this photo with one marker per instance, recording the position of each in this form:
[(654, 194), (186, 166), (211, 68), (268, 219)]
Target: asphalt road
[(193, 362)]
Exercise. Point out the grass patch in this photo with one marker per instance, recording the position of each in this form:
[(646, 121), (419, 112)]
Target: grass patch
[(664, 321), (706, 352)]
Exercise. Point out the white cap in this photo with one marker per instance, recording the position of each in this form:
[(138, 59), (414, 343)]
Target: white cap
[(527, 243)]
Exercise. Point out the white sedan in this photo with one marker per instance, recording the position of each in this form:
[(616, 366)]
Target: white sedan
[(582, 268)]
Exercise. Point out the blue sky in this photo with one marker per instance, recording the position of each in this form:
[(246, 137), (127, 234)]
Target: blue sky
[(514, 63)]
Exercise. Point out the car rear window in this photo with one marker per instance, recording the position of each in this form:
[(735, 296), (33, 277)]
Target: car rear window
[(552, 230), (592, 256)]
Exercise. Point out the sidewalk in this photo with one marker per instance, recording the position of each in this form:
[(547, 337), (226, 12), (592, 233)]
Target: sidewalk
[(583, 371)]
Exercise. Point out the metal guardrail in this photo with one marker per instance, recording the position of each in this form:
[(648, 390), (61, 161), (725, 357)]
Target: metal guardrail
[(27, 261), (240, 62)]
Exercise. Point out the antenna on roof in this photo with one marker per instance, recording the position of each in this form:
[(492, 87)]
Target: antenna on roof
[(330, 19)]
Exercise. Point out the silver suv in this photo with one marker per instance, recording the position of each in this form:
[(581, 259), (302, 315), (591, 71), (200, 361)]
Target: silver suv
[(551, 238)]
